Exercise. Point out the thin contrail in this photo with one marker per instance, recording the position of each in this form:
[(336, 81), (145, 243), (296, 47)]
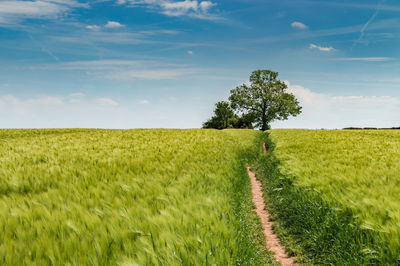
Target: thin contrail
[(372, 18), (44, 49)]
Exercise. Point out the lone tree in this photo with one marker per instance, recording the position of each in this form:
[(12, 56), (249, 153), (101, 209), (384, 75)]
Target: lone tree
[(265, 99)]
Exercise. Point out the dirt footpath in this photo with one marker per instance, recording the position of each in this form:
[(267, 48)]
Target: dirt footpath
[(273, 242)]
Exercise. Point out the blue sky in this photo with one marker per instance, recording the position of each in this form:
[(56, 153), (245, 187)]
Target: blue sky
[(164, 63)]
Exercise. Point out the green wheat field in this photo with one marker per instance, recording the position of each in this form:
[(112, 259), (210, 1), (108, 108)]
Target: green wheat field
[(353, 171), (128, 197), (183, 197)]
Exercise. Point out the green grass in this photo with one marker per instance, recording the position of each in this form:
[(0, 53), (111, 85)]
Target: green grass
[(335, 194), (128, 197)]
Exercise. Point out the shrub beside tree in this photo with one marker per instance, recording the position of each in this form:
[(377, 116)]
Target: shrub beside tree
[(224, 117), (258, 104)]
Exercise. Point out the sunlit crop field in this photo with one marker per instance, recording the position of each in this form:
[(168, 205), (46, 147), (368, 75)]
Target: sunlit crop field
[(359, 170), (145, 197)]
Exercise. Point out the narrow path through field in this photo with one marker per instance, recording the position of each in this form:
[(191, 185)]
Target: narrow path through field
[(265, 147), (272, 240)]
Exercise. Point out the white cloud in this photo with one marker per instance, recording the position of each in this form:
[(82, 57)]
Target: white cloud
[(365, 59), (181, 6), (113, 25), (206, 5), (106, 101), (188, 8), (16, 11), (13, 11), (93, 27), (144, 102), (190, 52), (321, 110), (191, 8), (305, 95), (321, 48), (299, 25)]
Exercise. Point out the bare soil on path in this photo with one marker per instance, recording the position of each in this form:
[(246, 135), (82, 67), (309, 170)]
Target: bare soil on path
[(272, 241), (265, 147)]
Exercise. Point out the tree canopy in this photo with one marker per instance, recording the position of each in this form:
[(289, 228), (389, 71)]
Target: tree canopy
[(262, 101), (265, 98)]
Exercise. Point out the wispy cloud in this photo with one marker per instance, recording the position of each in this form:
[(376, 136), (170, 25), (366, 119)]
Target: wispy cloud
[(14, 11), (93, 27), (348, 4), (96, 35), (50, 101), (151, 74), (98, 64), (365, 59), (77, 94), (190, 8), (310, 98), (107, 64), (382, 6), (106, 101), (113, 25), (299, 25), (76, 97), (321, 48), (187, 7), (73, 110), (125, 70), (383, 24), (20, 106), (322, 110), (108, 25)]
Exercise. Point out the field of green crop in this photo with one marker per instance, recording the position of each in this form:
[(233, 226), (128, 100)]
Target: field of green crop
[(173, 197), (128, 197), (357, 173)]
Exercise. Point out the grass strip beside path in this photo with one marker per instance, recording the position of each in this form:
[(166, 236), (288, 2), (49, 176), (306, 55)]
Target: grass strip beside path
[(319, 232)]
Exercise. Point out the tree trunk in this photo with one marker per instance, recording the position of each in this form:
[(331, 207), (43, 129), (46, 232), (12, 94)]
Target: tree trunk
[(264, 125)]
